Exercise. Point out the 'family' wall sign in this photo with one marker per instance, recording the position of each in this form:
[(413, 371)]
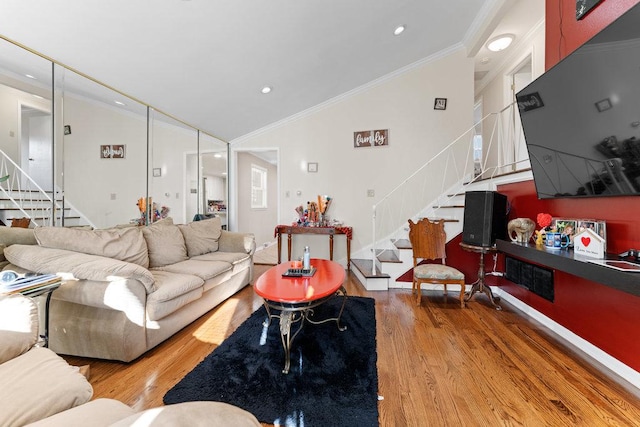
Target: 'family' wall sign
[(371, 138), (112, 151)]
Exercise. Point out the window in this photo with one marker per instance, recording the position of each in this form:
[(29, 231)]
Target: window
[(258, 187)]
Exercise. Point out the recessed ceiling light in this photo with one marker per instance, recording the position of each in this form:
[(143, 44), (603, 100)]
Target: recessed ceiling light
[(501, 42), (266, 89), (120, 103), (30, 76), (399, 30)]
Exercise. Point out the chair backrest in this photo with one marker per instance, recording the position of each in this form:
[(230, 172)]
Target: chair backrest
[(428, 239)]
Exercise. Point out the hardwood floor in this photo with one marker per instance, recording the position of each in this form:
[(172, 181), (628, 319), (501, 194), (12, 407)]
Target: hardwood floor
[(438, 365)]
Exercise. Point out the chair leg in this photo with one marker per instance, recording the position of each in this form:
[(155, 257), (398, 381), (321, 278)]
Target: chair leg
[(419, 289), (462, 289)]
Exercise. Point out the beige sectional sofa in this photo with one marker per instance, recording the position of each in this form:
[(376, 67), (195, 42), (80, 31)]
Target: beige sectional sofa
[(38, 388), (128, 289)]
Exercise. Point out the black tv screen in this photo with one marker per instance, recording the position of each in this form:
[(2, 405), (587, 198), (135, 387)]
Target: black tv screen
[(581, 118)]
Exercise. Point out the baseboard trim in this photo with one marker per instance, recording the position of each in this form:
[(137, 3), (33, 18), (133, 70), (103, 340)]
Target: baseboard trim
[(626, 373)]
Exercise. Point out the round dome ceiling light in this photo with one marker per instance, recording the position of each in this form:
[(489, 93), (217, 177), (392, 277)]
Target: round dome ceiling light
[(501, 42), (399, 30), (266, 89)]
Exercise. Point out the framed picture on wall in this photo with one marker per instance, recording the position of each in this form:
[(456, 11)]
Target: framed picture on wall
[(584, 6), (440, 104)]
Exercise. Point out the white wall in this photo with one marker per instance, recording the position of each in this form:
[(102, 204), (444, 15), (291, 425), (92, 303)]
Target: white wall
[(402, 103), (496, 94)]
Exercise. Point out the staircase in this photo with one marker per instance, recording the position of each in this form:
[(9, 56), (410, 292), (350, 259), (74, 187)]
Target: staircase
[(393, 262), (21, 197), (16, 205)]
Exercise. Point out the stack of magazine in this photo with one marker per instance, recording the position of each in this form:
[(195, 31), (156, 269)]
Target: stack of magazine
[(13, 283)]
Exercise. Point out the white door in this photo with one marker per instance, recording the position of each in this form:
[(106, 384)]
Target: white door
[(37, 141)]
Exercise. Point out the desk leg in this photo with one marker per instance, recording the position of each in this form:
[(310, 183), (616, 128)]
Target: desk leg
[(331, 247), (348, 254), (479, 286), (289, 247), (279, 246)]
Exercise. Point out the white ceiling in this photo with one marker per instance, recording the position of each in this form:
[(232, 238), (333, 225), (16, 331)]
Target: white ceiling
[(205, 61)]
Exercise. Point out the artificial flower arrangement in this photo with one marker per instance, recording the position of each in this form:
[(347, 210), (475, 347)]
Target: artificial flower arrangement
[(156, 213), (315, 213), (544, 221)]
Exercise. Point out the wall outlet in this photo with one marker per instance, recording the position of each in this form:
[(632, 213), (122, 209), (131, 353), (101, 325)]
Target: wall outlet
[(371, 193)]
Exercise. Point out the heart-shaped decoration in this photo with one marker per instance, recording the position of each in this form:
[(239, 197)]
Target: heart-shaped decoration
[(585, 240)]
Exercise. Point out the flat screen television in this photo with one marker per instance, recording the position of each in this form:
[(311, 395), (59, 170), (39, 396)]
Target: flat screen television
[(581, 118)]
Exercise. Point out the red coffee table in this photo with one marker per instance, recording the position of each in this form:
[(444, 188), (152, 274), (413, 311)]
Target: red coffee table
[(296, 297)]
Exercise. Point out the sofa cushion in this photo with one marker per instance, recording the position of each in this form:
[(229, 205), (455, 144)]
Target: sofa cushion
[(165, 243), (201, 237), (174, 291), (11, 235), (18, 326), (192, 414), (124, 244), (77, 265), (171, 285), (230, 257), (42, 384), (101, 412), (204, 270)]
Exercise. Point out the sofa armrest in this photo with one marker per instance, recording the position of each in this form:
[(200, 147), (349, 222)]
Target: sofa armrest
[(76, 265), (18, 326), (232, 241)]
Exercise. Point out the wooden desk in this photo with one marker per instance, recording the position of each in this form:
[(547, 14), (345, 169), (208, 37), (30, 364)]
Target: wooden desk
[(289, 230)]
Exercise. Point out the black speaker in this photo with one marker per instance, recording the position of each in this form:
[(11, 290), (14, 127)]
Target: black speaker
[(485, 218)]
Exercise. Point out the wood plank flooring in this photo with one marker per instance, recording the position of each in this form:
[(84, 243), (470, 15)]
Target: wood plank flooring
[(438, 365)]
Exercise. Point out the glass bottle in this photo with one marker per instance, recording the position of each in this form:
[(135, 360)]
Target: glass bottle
[(306, 259)]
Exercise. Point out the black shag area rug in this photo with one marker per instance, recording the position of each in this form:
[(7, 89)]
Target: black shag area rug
[(333, 379)]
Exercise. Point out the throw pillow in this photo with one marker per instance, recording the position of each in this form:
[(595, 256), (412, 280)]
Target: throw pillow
[(126, 244), (201, 237), (165, 243)]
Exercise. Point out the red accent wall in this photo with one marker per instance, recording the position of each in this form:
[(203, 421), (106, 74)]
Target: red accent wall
[(564, 33), (605, 317)]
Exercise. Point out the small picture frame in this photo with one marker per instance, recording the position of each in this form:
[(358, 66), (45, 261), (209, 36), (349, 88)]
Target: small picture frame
[(440, 104), (603, 105), (565, 226), (312, 167), (157, 172)]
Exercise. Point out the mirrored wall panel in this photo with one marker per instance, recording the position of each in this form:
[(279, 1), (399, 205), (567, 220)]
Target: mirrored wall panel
[(74, 152)]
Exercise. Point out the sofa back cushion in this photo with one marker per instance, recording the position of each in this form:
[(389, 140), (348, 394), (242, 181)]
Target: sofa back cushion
[(124, 244), (165, 244), (201, 237)]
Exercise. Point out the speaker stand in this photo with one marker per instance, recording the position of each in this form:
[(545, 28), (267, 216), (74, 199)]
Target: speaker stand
[(479, 285)]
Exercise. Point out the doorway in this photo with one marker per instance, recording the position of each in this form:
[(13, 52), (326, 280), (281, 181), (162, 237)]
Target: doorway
[(36, 147), (260, 221)]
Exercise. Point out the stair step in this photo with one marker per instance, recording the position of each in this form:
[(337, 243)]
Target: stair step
[(364, 267), (388, 255), (402, 244)]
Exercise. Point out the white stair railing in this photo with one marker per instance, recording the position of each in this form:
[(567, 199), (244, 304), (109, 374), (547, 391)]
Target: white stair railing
[(25, 195), (443, 177)]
